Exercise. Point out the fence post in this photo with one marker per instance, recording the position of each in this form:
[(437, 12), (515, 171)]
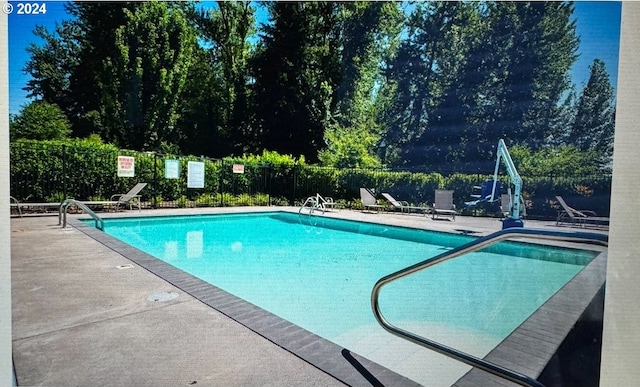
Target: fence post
[(295, 184), (221, 182), (268, 185), (64, 171), (155, 180)]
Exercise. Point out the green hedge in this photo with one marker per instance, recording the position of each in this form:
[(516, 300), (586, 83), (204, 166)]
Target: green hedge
[(45, 170)]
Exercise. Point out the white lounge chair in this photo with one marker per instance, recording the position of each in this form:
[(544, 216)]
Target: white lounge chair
[(130, 197), (443, 204), (369, 200), (404, 205), (326, 203)]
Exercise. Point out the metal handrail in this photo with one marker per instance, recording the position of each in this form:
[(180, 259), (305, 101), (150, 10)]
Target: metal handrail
[(314, 204), (62, 213), (477, 244)]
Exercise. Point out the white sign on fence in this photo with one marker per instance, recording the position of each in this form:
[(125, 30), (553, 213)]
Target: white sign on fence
[(238, 168), (172, 169), (195, 174), (126, 166)]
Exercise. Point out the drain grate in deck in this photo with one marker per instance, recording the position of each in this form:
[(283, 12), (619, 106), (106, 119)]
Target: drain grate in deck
[(162, 296)]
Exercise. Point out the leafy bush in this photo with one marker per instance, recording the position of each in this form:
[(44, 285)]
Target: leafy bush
[(349, 147), (226, 199), (260, 199), (244, 200), (183, 202), (206, 199), (279, 201), (55, 197)]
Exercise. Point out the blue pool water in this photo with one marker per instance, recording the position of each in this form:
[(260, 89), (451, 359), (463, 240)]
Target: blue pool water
[(318, 273)]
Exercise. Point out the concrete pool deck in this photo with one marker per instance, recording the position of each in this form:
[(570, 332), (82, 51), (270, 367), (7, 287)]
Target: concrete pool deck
[(83, 316)]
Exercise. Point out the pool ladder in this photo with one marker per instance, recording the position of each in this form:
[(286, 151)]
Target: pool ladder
[(311, 202), (62, 213), (509, 233)]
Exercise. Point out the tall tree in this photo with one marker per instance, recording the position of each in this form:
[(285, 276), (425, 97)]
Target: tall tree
[(155, 48), (69, 69), (469, 74), (90, 82), (368, 33), (296, 71), (227, 29), (202, 123), (52, 65), (427, 64), (595, 118), (533, 45)]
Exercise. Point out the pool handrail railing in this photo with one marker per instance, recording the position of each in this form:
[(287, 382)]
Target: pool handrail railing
[(509, 233), (62, 213)]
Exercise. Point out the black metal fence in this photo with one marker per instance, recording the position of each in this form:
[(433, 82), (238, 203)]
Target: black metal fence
[(46, 172)]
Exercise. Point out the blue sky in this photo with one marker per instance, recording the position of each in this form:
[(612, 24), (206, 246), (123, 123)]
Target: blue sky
[(598, 25)]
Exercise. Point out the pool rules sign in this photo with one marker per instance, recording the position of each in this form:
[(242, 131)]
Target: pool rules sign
[(126, 166), (195, 174)]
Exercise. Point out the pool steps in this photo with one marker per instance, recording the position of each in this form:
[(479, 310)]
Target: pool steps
[(466, 358)]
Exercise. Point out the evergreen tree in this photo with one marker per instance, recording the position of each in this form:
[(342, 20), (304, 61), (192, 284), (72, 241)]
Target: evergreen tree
[(426, 66), (532, 46), (469, 74), (52, 65), (369, 32), (595, 118), (296, 72), (92, 80), (201, 123)]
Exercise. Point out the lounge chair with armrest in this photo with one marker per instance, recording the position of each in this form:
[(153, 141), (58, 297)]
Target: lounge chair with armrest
[(369, 200), (580, 217), (404, 206), (443, 204)]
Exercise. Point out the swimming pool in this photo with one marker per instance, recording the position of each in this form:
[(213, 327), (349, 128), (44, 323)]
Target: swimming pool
[(318, 273)]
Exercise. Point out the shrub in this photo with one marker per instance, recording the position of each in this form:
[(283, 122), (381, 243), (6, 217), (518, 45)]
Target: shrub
[(244, 200), (261, 199), (206, 199), (55, 197)]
